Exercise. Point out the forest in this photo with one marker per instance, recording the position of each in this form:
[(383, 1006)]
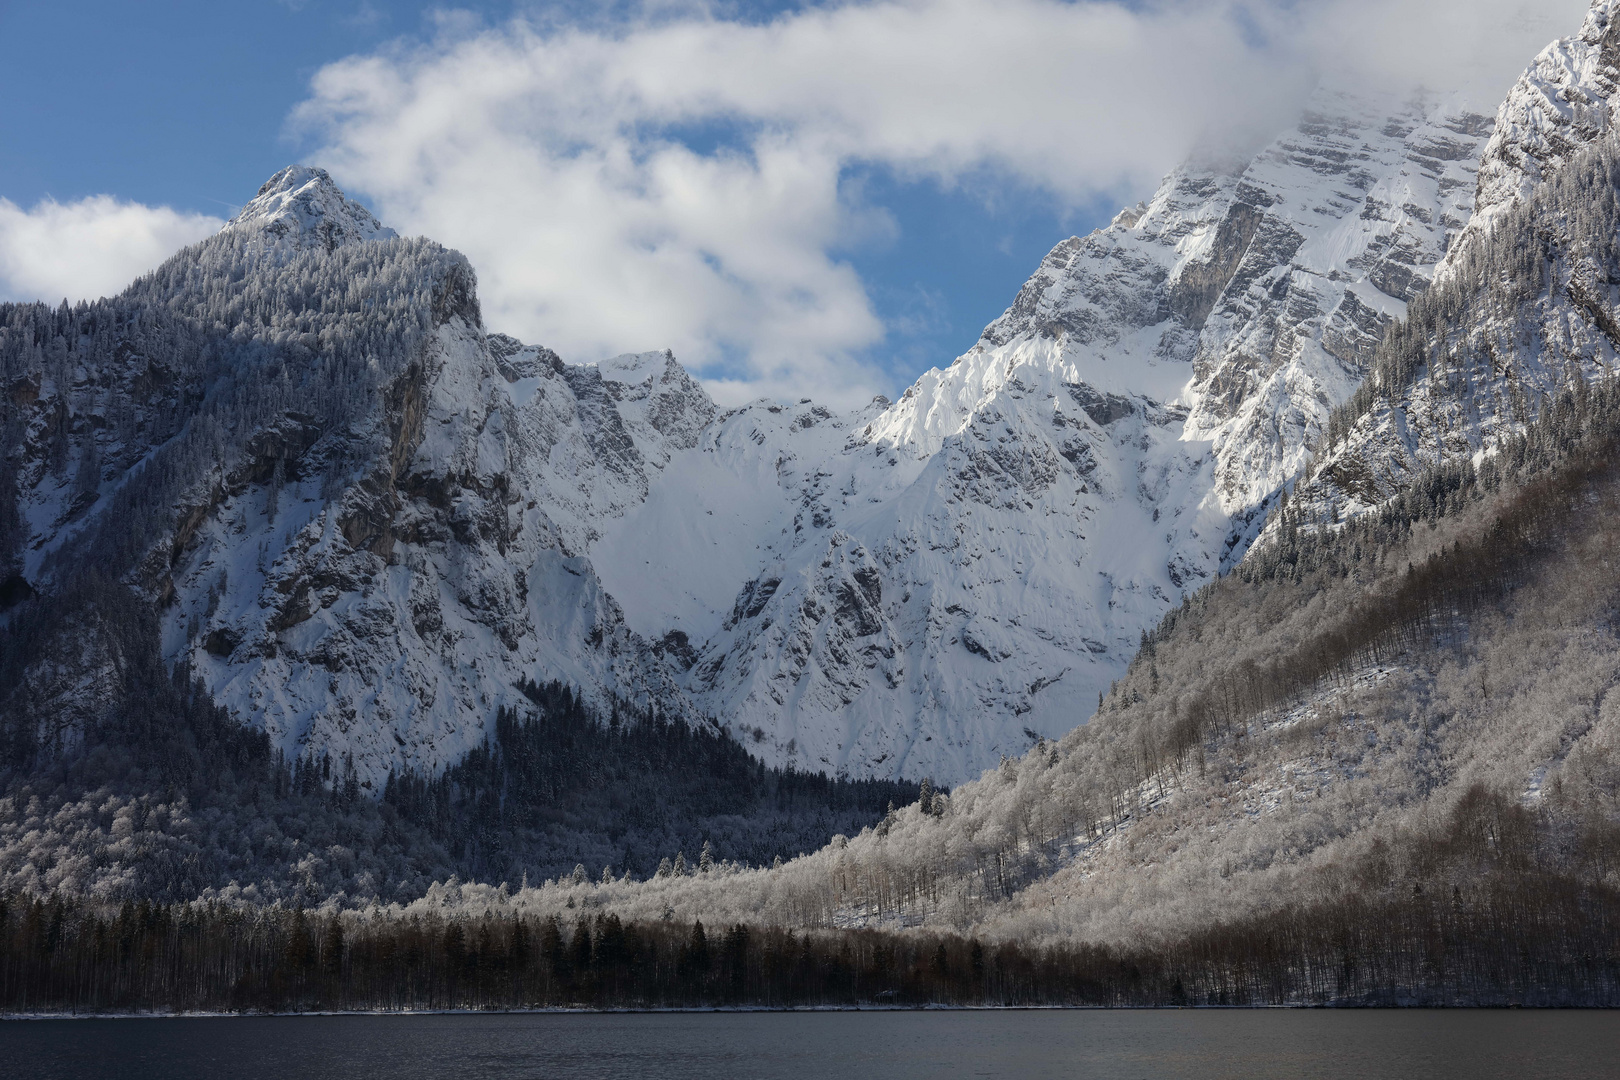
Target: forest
[(1526, 939), (173, 798), (650, 780)]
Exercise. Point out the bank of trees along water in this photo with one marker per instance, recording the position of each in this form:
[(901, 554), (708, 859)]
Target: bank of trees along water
[(1529, 939)]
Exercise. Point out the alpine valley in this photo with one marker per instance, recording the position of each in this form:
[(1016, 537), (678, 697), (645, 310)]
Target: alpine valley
[(1250, 580)]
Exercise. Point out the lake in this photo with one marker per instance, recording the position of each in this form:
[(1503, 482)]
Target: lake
[(1095, 1045)]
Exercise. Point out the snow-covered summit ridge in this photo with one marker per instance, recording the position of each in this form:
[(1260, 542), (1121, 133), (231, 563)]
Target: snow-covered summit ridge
[(1565, 100), (303, 204), (1250, 295), (633, 369)]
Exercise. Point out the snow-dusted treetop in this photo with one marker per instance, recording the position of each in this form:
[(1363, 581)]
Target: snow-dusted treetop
[(302, 204)]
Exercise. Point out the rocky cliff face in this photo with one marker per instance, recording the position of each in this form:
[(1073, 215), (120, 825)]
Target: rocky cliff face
[(362, 519), (388, 621), (1350, 216), (933, 583)]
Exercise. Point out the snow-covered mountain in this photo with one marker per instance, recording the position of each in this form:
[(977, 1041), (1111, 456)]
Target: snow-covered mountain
[(411, 515), (362, 519), (930, 584)]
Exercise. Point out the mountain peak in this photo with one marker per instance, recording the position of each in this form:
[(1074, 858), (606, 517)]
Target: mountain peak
[(304, 204), (1599, 21), (1562, 103)]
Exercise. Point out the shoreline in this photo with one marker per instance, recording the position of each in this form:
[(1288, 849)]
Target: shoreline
[(561, 1010)]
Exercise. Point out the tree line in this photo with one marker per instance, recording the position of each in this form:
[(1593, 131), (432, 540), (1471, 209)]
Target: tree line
[(655, 786), (214, 804), (1530, 939)]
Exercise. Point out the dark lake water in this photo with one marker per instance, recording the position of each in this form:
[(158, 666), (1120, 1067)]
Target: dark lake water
[(845, 1045)]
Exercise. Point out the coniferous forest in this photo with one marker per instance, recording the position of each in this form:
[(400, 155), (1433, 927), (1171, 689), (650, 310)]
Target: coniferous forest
[(1530, 941), (210, 807)]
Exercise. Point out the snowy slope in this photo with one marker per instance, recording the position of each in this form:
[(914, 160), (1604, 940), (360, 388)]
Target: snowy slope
[(367, 517), (1523, 305), (928, 585), (1564, 101)]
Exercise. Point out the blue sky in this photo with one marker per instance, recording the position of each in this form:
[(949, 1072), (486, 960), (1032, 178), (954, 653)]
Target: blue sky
[(179, 102), (185, 104), (799, 199)]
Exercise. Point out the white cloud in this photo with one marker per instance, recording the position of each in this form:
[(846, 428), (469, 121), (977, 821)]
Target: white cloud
[(1475, 46), (90, 248), (676, 179)]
